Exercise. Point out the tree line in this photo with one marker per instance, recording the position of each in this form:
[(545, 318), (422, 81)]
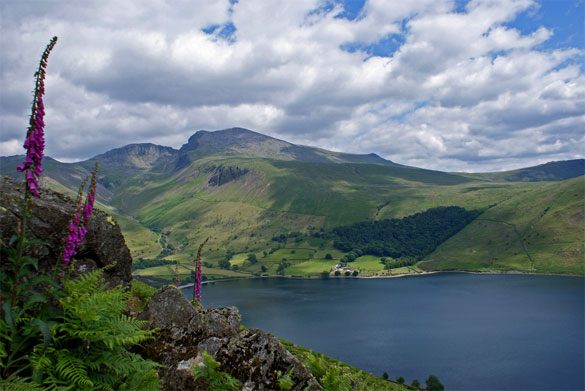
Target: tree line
[(412, 236)]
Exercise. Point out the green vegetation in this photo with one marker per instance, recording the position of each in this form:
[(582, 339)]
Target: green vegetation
[(292, 198), (536, 231), (433, 384), (81, 343), (412, 236), (206, 368), (335, 375)]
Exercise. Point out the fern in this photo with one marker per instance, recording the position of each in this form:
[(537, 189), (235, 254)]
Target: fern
[(217, 380), (285, 382), (89, 344), (19, 384)]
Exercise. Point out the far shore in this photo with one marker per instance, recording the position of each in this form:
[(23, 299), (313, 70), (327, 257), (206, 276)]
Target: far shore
[(495, 272)]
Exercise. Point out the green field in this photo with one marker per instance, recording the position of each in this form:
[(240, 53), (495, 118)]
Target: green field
[(310, 268)]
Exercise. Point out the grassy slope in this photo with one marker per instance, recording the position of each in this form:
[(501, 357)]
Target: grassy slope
[(286, 196), (547, 219), (279, 197), (349, 376)]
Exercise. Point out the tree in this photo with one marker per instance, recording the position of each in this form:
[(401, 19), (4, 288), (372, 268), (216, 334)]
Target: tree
[(263, 269), (400, 380), (385, 376), (328, 256), (433, 384), (224, 264), (252, 258), (415, 383)]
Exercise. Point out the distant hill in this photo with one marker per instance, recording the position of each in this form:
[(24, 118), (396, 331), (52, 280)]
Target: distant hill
[(551, 171), (242, 188)]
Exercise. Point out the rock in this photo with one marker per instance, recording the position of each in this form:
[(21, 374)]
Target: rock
[(251, 355), (102, 246), (223, 175)]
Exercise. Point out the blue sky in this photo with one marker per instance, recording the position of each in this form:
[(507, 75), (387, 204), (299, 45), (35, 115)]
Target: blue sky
[(452, 85)]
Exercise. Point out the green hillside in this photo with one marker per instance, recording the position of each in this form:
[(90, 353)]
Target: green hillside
[(540, 231), (241, 189)]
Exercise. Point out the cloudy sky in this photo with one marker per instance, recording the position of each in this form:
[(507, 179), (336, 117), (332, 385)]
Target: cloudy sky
[(454, 85)]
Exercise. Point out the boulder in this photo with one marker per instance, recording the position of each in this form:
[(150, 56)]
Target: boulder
[(102, 246), (251, 355)]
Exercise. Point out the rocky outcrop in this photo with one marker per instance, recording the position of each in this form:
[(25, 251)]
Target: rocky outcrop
[(222, 175), (103, 245), (251, 355)]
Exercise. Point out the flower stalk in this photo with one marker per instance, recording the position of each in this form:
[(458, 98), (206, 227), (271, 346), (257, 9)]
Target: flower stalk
[(34, 145), (197, 286), (77, 225)]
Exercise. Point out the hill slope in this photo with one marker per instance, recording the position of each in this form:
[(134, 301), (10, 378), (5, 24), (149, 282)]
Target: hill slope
[(536, 231), (241, 189)]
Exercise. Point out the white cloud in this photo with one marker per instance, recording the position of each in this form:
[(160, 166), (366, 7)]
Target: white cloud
[(463, 91)]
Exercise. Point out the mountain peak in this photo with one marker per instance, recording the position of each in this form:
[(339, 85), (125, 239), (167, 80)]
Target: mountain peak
[(138, 156), (233, 141)]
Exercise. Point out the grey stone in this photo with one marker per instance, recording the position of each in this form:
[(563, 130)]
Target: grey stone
[(102, 246), (184, 332)]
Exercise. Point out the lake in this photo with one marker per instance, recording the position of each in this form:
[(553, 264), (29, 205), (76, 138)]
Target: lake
[(475, 332)]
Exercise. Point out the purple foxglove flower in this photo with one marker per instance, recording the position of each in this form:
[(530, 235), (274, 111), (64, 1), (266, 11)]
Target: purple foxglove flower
[(35, 142)]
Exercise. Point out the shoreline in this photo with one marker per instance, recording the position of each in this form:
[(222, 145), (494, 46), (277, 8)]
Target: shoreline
[(511, 272)]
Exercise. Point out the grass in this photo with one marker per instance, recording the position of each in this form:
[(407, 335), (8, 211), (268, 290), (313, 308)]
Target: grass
[(349, 376), (278, 197), (310, 268), (538, 230), (168, 271), (368, 263)]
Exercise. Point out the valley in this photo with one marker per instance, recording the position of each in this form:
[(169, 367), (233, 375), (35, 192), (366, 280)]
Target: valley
[(269, 207)]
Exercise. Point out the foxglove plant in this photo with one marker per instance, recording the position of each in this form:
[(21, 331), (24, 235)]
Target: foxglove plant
[(77, 225), (35, 136), (197, 286), (35, 146)]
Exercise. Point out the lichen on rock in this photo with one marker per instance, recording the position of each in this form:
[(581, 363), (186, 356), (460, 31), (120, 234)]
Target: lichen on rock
[(251, 355)]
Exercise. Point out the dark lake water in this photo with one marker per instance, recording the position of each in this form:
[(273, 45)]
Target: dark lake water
[(475, 332)]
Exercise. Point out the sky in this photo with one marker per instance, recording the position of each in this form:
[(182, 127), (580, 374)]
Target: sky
[(452, 85)]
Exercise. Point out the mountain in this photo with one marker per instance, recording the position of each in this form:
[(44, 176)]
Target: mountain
[(246, 143), (137, 157), (241, 189)]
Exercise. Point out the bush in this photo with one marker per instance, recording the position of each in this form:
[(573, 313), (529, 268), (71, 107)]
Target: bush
[(415, 383), (252, 258), (400, 380), (433, 384), (328, 256), (142, 292), (224, 264)]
